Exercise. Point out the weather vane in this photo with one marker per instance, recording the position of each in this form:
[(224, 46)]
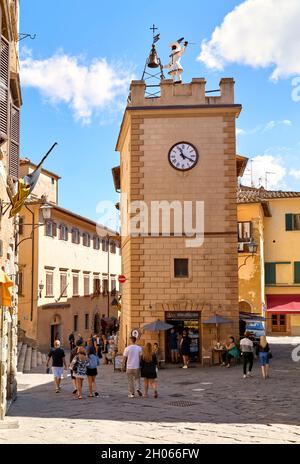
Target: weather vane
[(153, 62)]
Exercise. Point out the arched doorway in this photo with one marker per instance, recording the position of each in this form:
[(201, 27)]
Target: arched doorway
[(55, 330)]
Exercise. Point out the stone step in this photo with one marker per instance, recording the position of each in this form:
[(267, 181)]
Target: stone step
[(22, 356), (27, 364), (39, 359), (34, 358)]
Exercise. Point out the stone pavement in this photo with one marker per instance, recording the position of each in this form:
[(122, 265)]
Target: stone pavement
[(197, 405)]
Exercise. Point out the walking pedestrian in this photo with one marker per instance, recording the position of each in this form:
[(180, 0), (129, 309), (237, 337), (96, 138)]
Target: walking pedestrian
[(57, 355), (149, 370), (79, 367), (246, 345), (173, 345), (263, 352), (80, 339), (72, 341), (99, 345), (132, 359), (73, 353), (185, 349), (91, 371)]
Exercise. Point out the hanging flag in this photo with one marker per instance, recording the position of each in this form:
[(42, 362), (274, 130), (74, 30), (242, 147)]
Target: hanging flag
[(5, 293), (26, 185)]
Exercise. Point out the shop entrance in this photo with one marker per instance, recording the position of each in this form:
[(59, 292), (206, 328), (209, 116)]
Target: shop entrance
[(189, 321)]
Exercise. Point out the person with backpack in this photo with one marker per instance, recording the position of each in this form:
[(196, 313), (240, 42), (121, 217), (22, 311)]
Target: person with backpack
[(264, 354), (92, 371), (79, 366)]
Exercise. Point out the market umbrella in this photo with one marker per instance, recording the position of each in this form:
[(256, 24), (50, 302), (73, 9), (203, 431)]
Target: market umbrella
[(216, 320), (157, 326)]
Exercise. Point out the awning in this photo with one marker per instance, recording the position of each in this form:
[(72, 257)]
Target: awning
[(251, 317), (284, 304)]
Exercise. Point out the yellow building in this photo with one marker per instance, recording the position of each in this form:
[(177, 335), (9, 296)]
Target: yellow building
[(269, 281), (166, 277), (68, 271), (10, 102)]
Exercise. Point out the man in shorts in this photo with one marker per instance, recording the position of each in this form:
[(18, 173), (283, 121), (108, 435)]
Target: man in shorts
[(58, 363), (173, 346)]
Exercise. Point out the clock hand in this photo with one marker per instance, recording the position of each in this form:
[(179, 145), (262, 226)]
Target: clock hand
[(190, 159)]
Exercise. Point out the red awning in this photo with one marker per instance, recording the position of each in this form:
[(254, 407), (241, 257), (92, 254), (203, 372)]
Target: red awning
[(284, 304)]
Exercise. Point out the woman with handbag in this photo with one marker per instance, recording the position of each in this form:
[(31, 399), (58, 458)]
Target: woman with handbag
[(264, 354)]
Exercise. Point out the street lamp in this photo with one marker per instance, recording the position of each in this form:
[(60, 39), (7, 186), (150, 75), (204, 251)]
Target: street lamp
[(46, 210), (252, 246)]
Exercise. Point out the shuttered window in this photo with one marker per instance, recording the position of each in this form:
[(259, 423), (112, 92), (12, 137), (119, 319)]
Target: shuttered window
[(292, 222), (270, 273), (14, 148), (297, 272), (4, 87)]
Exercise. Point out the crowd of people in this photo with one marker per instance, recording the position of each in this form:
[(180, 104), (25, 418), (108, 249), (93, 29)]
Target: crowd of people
[(143, 362)]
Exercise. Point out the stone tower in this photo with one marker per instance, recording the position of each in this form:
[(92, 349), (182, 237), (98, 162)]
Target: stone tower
[(167, 279)]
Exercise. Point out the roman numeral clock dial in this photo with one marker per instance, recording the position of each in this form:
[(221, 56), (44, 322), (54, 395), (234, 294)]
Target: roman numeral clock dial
[(183, 156)]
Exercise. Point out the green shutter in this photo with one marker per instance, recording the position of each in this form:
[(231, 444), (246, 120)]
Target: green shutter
[(297, 272), (270, 273), (289, 222)]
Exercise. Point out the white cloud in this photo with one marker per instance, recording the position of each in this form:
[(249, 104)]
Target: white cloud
[(85, 88), (240, 131), (295, 173), (265, 168), (264, 128), (259, 33)]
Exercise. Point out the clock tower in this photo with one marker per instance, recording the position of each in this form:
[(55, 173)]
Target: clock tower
[(179, 149)]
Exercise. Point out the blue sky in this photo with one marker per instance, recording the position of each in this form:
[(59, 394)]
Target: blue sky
[(108, 43)]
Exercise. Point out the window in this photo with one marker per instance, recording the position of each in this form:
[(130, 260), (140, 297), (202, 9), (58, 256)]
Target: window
[(292, 222), (63, 232), (86, 321), (50, 229), (244, 231), (63, 284), (86, 285), (104, 245), (75, 236), (96, 242), (49, 283), (85, 239), (14, 146), (97, 286), (4, 66), (297, 272), (278, 323), (270, 273), (75, 323), (113, 247), (75, 284), (113, 286), (181, 267), (105, 286), (20, 283), (278, 273)]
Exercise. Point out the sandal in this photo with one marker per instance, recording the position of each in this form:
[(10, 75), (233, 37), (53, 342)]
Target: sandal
[(91, 396), (80, 397)]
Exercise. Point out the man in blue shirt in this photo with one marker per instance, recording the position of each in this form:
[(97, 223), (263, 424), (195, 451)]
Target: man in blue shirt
[(173, 346)]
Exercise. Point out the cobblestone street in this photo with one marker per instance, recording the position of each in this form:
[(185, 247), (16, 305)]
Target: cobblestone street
[(198, 405)]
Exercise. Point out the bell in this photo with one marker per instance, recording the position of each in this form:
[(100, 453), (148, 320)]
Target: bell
[(153, 59)]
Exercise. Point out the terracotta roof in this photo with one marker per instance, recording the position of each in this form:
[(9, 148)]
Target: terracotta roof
[(256, 195)]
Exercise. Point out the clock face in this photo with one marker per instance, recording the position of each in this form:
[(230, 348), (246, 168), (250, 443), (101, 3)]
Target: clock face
[(183, 156)]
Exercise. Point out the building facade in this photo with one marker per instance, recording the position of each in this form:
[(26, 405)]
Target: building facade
[(166, 278), (10, 103), (68, 270), (269, 281)]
